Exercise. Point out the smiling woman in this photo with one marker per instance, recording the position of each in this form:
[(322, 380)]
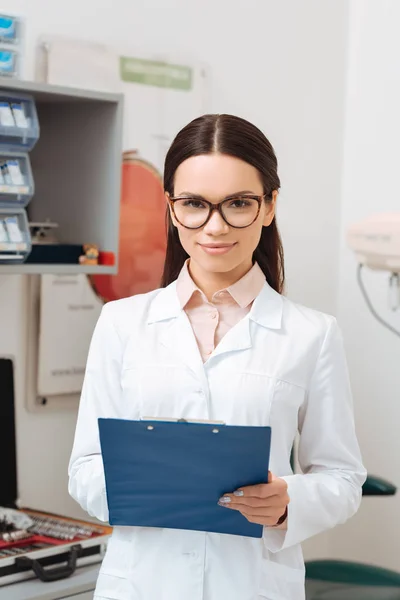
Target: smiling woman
[(220, 342)]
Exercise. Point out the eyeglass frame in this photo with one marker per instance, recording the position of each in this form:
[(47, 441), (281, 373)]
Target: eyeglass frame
[(218, 207)]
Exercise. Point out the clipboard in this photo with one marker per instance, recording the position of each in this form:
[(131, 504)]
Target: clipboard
[(171, 474)]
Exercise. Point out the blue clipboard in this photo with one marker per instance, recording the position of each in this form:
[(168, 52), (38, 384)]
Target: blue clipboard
[(171, 474)]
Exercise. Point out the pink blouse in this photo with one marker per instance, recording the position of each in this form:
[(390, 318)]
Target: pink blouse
[(210, 321)]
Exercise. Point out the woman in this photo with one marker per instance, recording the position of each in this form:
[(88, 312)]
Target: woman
[(219, 341)]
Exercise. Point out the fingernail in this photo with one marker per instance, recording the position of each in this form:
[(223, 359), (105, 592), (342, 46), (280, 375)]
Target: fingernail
[(238, 493), (224, 500)]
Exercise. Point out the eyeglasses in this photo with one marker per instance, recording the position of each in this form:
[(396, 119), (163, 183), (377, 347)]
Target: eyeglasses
[(194, 212)]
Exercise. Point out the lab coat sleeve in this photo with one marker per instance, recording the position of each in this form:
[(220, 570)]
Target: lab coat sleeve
[(101, 393), (328, 492)]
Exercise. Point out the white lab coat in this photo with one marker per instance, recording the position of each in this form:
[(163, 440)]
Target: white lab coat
[(283, 365)]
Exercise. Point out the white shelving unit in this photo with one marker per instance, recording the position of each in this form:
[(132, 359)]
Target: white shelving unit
[(76, 166)]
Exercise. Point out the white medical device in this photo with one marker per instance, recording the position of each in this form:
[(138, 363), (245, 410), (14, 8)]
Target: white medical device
[(376, 243)]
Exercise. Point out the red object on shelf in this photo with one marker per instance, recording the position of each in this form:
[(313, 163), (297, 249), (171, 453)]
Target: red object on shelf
[(107, 258), (142, 233)]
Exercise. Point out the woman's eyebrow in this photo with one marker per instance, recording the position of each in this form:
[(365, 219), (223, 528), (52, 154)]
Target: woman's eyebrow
[(233, 195)]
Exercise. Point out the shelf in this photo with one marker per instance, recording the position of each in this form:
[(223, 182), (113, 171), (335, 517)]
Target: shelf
[(45, 92), (28, 269)]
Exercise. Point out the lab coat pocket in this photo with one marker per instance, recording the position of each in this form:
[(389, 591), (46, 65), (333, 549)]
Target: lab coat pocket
[(113, 587), (280, 582)]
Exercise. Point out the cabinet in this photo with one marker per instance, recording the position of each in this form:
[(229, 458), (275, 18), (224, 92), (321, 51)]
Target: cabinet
[(76, 167)]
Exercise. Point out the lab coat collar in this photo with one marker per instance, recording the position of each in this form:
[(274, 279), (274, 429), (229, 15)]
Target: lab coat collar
[(178, 335), (165, 305), (266, 310)]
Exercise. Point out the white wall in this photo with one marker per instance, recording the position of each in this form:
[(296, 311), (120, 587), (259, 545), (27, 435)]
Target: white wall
[(371, 184), (280, 64)]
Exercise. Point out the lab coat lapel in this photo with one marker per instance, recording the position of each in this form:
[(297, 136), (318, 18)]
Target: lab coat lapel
[(181, 342), (176, 332), (237, 338), (266, 312)]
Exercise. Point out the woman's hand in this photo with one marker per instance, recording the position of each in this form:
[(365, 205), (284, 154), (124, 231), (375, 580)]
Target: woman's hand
[(264, 504)]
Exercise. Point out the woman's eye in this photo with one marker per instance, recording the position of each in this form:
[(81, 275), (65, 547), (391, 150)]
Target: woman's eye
[(193, 204), (239, 203)]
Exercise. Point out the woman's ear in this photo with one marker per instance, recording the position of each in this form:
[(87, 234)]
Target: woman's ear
[(270, 210), (171, 212)]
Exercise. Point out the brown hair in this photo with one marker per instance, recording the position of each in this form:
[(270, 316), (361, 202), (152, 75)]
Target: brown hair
[(237, 137)]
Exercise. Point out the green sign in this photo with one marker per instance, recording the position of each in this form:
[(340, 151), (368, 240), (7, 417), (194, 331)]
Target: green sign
[(159, 74)]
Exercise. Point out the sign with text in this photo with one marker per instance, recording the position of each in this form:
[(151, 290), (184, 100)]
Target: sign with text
[(155, 73), (69, 310)]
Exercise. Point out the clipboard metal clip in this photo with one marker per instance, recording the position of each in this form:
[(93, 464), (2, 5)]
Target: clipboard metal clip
[(182, 420)]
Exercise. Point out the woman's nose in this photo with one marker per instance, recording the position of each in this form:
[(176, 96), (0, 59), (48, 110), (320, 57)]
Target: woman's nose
[(216, 225)]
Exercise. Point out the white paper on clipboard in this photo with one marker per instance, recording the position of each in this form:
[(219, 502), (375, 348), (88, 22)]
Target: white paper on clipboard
[(69, 310)]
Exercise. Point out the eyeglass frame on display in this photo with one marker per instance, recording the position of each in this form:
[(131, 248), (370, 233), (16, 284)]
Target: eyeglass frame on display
[(218, 207)]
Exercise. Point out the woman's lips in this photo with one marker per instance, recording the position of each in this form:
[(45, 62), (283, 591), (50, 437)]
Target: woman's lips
[(217, 249)]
